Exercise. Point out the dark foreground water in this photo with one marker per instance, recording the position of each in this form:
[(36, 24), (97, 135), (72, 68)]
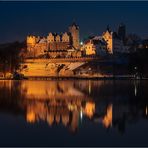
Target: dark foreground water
[(74, 113)]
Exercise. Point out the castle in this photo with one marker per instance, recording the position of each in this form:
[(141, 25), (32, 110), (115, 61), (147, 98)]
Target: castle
[(115, 40), (55, 45), (62, 54)]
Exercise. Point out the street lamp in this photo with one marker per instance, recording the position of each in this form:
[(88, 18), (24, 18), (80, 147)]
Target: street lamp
[(81, 43)]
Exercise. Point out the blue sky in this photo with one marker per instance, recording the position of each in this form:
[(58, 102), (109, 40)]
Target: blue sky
[(19, 19)]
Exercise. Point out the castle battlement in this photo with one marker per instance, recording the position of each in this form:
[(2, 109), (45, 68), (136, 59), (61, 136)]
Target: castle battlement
[(54, 42)]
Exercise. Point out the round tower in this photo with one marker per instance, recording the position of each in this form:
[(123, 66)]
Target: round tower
[(74, 31)]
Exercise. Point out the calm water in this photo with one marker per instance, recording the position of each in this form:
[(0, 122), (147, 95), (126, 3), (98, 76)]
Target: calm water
[(73, 113)]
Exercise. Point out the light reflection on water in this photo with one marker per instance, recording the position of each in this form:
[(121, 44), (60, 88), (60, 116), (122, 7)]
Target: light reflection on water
[(73, 106)]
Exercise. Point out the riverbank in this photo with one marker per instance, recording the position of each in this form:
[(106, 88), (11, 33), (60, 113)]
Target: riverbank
[(84, 78), (76, 78)]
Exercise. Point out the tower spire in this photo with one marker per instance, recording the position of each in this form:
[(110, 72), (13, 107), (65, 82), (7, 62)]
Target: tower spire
[(108, 28)]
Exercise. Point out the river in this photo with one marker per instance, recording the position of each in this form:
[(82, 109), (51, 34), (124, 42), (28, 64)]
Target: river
[(73, 113)]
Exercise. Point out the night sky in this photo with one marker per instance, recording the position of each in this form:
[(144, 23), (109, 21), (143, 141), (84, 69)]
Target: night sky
[(19, 19)]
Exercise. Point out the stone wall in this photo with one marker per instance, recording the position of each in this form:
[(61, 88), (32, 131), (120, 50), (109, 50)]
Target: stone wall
[(45, 68)]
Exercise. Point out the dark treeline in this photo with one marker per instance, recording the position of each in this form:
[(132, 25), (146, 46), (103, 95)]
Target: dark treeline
[(138, 62), (133, 63), (10, 56)]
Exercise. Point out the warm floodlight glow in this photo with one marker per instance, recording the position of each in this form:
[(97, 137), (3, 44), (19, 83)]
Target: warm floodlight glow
[(81, 43)]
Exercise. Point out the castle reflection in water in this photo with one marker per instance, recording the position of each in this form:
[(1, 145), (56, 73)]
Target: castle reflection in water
[(110, 103)]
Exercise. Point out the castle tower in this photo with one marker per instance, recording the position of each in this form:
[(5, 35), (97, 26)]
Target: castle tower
[(122, 31), (108, 37), (74, 30), (31, 41)]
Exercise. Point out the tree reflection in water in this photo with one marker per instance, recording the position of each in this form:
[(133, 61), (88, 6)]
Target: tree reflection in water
[(111, 103)]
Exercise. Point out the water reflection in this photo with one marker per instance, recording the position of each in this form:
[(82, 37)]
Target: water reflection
[(110, 103)]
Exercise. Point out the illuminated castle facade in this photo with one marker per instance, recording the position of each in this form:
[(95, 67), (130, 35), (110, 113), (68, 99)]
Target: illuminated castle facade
[(54, 45), (114, 41)]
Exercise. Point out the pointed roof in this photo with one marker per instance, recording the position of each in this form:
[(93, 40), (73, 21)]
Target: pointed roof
[(108, 28), (74, 24)]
